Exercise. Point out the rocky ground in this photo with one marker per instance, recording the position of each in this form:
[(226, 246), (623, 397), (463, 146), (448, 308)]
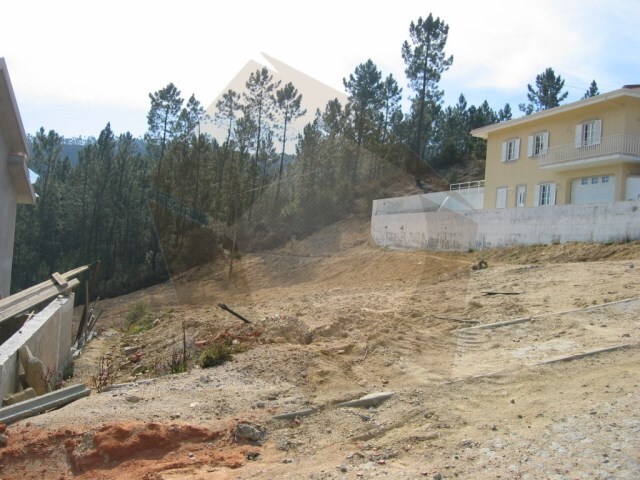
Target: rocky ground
[(335, 318)]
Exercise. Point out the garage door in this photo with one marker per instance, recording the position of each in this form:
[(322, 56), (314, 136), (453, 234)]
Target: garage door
[(599, 189)]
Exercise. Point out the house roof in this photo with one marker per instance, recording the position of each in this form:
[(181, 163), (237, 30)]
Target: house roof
[(627, 91), (12, 131)]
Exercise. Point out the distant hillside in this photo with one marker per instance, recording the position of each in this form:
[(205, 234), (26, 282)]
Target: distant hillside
[(71, 146)]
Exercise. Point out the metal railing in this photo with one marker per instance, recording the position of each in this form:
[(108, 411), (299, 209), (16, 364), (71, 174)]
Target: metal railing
[(612, 145), (477, 184)]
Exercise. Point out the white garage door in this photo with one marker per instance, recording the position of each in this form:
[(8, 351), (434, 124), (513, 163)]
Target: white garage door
[(599, 189)]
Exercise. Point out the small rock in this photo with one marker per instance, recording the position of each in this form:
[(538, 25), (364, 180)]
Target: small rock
[(4, 440), (343, 468), (513, 400), (131, 350), (139, 369), (174, 416), (626, 335), (494, 428), (437, 476), (193, 404), (132, 399), (287, 460), (260, 404), (251, 455), (251, 433)]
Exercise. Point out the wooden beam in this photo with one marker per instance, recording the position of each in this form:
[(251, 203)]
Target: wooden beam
[(19, 297), (40, 297), (59, 279)]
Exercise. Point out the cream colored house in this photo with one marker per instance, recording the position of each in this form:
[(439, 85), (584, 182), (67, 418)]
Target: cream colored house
[(579, 153), (15, 186)]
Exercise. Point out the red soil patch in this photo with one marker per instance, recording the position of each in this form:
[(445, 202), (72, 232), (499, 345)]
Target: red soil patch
[(116, 451)]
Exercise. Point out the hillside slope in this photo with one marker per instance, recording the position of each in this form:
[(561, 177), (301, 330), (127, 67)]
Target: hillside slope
[(334, 318)]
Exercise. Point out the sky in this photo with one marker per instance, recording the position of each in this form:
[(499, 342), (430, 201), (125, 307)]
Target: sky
[(76, 65)]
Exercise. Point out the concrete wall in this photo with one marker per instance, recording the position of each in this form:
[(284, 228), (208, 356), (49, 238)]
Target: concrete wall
[(479, 229), (49, 337), (7, 220), (458, 200)]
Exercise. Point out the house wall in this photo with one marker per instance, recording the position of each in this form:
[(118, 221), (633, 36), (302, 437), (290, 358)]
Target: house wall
[(479, 229), (618, 117), (7, 220)]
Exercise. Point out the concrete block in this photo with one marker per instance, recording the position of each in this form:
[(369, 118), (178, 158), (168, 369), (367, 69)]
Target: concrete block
[(371, 400), (27, 394), (43, 403)]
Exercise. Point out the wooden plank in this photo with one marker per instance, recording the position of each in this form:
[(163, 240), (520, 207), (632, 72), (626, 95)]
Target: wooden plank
[(36, 289), (27, 304), (59, 279)]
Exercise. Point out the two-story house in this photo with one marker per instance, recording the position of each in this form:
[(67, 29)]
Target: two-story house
[(582, 152), (15, 186)]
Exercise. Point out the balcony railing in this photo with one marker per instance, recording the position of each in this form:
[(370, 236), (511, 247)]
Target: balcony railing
[(478, 184), (627, 145)]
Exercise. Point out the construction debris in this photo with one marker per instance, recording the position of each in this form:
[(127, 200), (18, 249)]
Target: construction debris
[(43, 403), (227, 309)]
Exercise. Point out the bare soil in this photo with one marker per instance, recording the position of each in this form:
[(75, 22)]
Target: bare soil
[(335, 318)]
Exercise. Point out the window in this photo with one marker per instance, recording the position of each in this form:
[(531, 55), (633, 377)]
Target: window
[(588, 133), (521, 196), (584, 181), (594, 180), (538, 144), (545, 194), (511, 150), (501, 197), (605, 179)]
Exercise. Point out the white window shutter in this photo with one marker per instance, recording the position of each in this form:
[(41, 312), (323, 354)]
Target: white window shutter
[(552, 194), (545, 142), (530, 146), (504, 151), (597, 132), (517, 147), (536, 196), (578, 136)]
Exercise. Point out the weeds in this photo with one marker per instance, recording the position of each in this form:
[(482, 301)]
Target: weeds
[(106, 373), (178, 363), (215, 354), (139, 318)]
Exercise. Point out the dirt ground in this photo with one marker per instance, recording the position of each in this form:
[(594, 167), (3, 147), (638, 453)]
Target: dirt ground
[(335, 318)]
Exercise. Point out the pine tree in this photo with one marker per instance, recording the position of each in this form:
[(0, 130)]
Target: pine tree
[(548, 92), (592, 91), (426, 61)]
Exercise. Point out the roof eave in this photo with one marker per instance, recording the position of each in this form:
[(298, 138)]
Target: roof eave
[(10, 119), (483, 132), (19, 176)]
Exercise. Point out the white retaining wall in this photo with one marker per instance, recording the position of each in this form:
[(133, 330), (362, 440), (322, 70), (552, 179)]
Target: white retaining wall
[(49, 337), (479, 229), (458, 200)]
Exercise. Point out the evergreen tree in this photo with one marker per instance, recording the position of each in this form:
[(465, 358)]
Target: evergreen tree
[(365, 89), (547, 94), (592, 91), (259, 103), (426, 61), (288, 102)]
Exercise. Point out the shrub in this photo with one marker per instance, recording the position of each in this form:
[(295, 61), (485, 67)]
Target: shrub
[(216, 354), (138, 318)]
